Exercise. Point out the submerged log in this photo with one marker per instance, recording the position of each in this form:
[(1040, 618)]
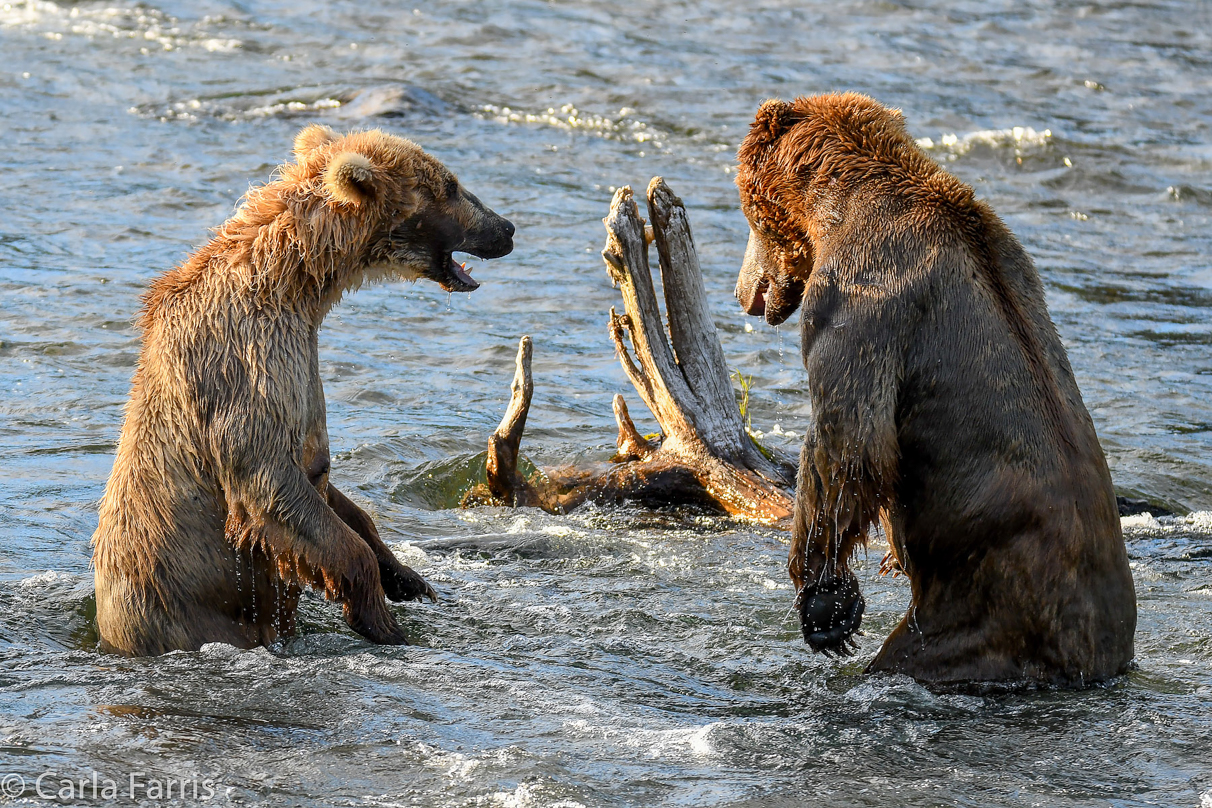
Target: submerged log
[(704, 454)]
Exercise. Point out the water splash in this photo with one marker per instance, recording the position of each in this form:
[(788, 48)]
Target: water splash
[(1021, 141), (622, 126)]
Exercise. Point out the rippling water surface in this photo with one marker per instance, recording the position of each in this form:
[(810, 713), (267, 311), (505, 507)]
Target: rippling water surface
[(605, 658)]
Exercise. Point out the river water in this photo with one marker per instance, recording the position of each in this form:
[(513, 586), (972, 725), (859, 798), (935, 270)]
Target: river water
[(607, 657)]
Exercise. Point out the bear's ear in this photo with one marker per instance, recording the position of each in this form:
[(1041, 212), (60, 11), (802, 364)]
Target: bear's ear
[(350, 178), (773, 118), (311, 138)]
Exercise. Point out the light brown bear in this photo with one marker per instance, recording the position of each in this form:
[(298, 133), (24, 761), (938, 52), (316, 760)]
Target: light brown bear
[(219, 507), (942, 403)]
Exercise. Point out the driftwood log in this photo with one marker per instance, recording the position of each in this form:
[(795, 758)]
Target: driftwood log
[(704, 455)]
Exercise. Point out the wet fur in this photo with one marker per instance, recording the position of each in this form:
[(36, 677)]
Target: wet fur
[(219, 509), (943, 404)]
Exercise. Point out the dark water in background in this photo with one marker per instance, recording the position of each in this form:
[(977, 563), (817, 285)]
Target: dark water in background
[(605, 658)]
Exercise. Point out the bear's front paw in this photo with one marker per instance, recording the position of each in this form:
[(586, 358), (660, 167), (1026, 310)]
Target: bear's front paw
[(375, 624), (402, 582), (830, 613)]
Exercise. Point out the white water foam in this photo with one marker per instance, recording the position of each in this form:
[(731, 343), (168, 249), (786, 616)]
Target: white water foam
[(620, 126), (696, 739), (526, 795), (653, 743), (196, 108), (53, 586), (1023, 140), (1142, 524), (152, 27)]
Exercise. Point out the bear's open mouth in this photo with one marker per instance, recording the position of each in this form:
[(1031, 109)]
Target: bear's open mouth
[(775, 299), (458, 277), (757, 304)]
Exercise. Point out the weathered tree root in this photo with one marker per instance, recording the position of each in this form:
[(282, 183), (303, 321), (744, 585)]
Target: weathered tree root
[(704, 455)]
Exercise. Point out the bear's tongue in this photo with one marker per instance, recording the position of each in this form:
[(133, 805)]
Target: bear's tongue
[(758, 306), (460, 271), (460, 280)]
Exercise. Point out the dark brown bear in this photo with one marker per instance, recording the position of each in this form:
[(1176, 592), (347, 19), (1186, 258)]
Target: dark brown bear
[(943, 405)]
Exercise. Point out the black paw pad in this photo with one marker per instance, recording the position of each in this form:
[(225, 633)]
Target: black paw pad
[(403, 583), (830, 613)]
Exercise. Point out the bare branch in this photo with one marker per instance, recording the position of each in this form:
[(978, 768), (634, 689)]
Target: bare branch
[(671, 400), (503, 445), (631, 444)]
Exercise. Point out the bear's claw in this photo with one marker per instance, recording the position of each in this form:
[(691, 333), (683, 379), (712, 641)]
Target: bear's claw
[(402, 583), (891, 564)]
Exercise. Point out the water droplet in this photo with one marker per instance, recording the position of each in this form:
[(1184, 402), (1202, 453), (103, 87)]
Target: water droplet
[(239, 589)]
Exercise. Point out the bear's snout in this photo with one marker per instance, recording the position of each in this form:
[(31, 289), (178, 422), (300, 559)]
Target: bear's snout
[(494, 241), (492, 234), (763, 288)]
